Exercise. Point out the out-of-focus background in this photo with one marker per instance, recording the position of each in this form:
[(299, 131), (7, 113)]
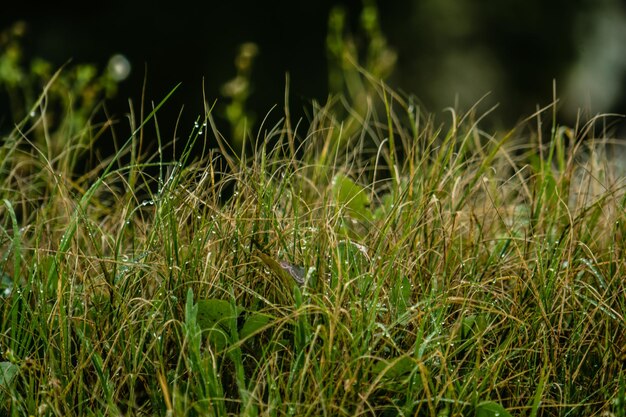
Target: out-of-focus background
[(445, 52)]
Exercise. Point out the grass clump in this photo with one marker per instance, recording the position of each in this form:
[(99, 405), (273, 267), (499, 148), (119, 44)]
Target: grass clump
[(399, 267)]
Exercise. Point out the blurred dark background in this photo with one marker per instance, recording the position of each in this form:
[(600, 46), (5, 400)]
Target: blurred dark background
[(449, 52)]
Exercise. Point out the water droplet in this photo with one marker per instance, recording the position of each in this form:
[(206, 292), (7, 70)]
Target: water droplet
[(119, 67)]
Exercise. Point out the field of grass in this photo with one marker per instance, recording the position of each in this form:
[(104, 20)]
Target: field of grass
[(379, 261)]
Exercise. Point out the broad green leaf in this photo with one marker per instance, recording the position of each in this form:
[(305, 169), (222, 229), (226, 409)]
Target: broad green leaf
[(352, 196), (214, 311), (254, 323), (8, 371), (386, 206), (213, 318), (491, 409)]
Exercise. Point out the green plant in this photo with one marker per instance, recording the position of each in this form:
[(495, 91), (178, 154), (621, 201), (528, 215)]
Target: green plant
[(481, 275)]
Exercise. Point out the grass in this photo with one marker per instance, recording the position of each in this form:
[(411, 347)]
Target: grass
[(447, 271)]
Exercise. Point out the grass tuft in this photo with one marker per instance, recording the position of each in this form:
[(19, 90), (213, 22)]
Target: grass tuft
[(396, 267)]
